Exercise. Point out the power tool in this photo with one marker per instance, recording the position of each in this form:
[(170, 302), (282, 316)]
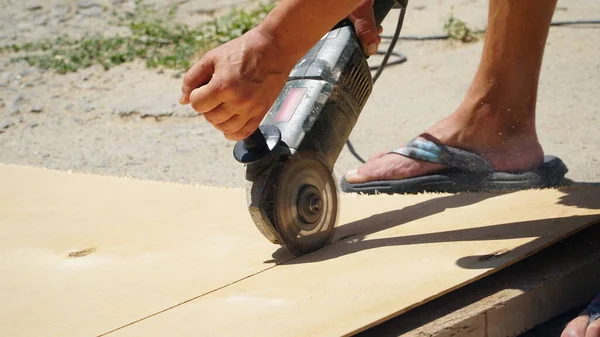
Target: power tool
[(291, 194)]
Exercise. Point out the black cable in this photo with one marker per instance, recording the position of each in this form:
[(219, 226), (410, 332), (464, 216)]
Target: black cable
[(383, 65), (401, 58), (574, 22), (445, 37), (391, 47), (353, 151)]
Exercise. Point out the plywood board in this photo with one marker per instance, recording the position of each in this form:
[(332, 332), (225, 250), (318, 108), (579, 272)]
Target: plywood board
[(151, 246), (414, 255), (84, 255)]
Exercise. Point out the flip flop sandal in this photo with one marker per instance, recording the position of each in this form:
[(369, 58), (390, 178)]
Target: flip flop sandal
[(593, 309), (465, 172)]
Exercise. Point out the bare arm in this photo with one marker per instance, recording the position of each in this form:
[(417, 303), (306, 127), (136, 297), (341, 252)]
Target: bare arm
[(234, 85), (296, 25)]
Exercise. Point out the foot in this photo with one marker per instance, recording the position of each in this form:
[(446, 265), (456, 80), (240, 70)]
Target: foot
[(581, 326), (509, 145)]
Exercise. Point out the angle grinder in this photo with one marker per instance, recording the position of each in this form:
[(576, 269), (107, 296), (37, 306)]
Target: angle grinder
[(292, 197)]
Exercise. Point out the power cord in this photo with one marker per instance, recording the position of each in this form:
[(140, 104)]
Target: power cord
[(401, 58)]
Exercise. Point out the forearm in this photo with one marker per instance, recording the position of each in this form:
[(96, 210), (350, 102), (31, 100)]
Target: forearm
[(296, 25)]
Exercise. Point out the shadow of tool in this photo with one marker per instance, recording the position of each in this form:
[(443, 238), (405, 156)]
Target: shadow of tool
[(542, 229), (357, 230)]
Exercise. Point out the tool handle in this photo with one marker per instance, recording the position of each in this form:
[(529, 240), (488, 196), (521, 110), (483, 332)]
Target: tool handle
[(256, 141), (381, 8)]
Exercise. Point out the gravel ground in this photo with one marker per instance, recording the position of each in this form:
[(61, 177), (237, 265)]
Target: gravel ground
[(126, 121)]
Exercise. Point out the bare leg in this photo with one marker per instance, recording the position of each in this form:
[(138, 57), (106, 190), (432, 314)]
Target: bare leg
[(496, 118)]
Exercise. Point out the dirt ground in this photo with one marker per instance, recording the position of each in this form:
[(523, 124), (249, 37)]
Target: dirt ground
[(127, 122)]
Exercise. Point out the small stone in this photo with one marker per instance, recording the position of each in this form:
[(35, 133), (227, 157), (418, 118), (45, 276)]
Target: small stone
[(14, 106), (25, 72), (4, 125), (86, 75), (88, 3), (60, 10), (89, 108), (153, 106), (92, 12), (34, 6), (40, 21), (13, 110), (19, 99), (5, 80), (36, 109), (69, 106), (24, 26)]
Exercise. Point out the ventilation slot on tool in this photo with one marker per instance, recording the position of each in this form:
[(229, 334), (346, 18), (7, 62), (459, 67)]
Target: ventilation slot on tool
[(357, 79)]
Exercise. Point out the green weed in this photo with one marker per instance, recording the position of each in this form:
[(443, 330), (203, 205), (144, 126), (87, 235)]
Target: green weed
[(155, 38), (459, 30)]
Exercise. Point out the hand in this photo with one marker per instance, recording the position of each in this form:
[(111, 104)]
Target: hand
[(234, 85), (363, 20)]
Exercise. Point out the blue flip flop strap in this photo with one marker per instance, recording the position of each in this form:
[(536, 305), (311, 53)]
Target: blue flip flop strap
[(593, 309), (445, 155)]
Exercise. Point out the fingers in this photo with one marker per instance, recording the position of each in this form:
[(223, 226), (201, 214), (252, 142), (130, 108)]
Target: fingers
[(207, 97), (198, 75), (218, 115), (234, 126), (243, 133), (363, 19)]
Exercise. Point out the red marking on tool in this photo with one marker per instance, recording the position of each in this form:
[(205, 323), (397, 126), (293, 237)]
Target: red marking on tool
[(289, 105)]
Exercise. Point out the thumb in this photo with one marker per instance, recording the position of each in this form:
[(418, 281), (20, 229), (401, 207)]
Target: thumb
[(198, 75), (363, 19)]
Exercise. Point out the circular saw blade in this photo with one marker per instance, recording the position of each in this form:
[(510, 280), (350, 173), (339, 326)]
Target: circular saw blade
[(305, 204)]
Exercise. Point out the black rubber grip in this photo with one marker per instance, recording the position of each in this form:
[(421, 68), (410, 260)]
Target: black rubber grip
[(256, 141)]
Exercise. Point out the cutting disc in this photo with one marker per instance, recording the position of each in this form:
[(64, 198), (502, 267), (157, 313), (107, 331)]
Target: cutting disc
[(305, 204)]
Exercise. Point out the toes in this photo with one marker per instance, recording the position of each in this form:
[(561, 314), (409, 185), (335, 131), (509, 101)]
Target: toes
[(593, 329), (390, 167), (577, 327), (353, 177), (367, 172)]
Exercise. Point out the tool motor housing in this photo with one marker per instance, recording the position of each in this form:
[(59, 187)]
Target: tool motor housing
[(324, 96), (298, 142)]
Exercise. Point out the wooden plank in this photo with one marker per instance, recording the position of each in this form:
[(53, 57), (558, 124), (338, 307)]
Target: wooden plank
[(411, 256), (153, 245), (163, 251)]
